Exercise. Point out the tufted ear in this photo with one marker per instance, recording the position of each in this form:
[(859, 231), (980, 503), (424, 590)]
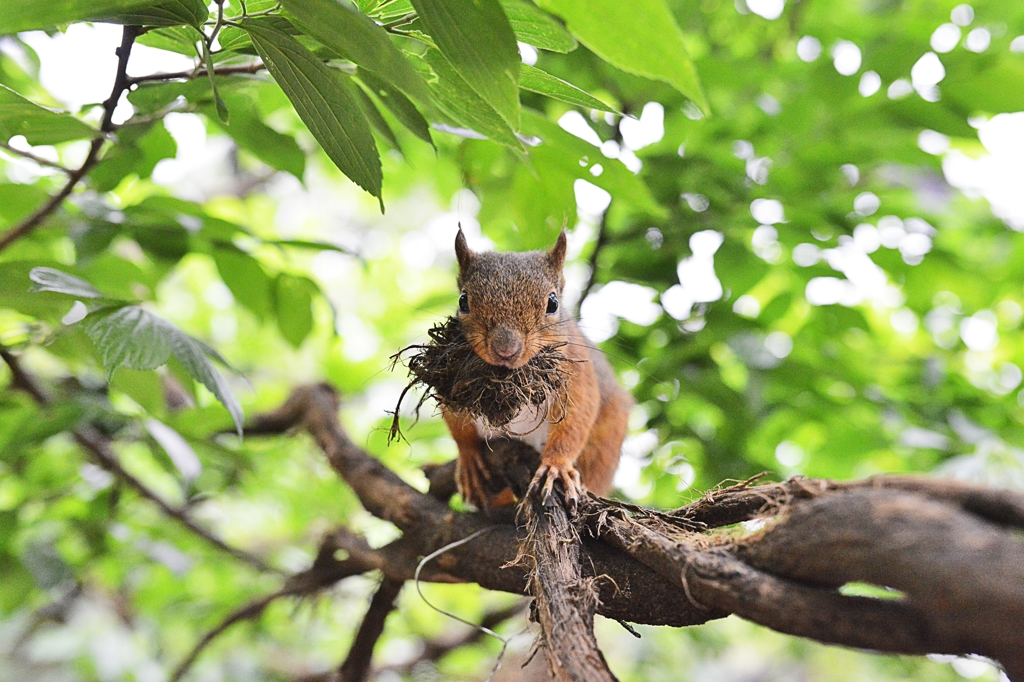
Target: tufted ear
[(462, 251), (557, 254)]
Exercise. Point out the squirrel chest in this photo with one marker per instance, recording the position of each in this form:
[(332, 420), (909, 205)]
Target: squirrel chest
[(530, 426)]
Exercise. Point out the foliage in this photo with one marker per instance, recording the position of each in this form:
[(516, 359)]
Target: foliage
[(782, 277)]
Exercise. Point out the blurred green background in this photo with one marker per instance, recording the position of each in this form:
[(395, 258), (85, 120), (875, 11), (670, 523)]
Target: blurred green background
[(820, 274)]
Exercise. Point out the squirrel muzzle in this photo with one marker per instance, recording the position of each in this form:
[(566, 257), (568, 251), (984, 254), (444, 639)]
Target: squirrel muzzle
[(506, 347)]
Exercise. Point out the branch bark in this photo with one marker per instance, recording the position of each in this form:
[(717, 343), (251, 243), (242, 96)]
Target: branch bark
[(936, 542)]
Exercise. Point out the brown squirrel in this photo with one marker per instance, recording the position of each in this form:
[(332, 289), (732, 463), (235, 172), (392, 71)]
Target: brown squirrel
[(509, 309)]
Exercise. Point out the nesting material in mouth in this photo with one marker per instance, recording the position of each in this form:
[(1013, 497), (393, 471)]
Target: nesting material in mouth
[(461, 382)]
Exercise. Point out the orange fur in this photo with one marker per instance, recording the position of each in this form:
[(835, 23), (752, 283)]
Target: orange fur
[(507, 323)]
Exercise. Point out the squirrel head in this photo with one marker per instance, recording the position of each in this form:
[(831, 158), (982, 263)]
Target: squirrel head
[(510, 304)]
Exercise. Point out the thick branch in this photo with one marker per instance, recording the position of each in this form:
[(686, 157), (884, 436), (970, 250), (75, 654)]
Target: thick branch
[(564, 601)]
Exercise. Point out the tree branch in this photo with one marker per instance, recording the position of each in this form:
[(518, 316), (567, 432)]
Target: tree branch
[(33, 157), (99, 446), (356, 667), (121, 83), (253, 68)]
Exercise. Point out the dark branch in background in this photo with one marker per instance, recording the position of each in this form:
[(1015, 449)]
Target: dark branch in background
[(33, 157), (599, 244), (435, 650), (99, 444), (357, 665), (128, 35), (324, 572)]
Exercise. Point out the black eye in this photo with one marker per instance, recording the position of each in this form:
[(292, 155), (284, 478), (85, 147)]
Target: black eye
[(464, 303), (552, 303)]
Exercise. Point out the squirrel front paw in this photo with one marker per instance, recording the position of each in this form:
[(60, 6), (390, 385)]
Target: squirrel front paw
[(472, 478), (548, 474)]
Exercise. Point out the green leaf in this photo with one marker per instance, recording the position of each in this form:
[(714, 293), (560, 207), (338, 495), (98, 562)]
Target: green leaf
[(357, 38), (39, 125), (168, 13), (565, 152), (180, 39), (128, 336), (462, 106), (542, 82), (248, 130), (139, 148), (639, 37), (399, 105), (25, 15), (49, 279), (377, 121), (245, 277), (325, 101), (293, 298), (476, 38), (535, 27)]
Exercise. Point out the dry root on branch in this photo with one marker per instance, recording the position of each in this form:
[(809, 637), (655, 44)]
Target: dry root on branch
[(457, 378)]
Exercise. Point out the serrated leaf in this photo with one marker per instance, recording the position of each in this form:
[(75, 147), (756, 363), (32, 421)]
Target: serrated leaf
[(25, 15), (357, 38), (49, 279), (39, 125), (477, 40), (399, 105), (128, 336), (535, 27), (325, 101), (377, 121), (462, 106), (167, 13), (542, 82), (639, 37), (293, 298)]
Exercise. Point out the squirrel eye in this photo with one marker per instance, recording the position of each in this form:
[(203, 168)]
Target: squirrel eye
[(552, 303), (464, 303)]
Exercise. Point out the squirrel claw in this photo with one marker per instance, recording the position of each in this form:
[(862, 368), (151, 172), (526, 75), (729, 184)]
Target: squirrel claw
[(472, 479), (546, 477)]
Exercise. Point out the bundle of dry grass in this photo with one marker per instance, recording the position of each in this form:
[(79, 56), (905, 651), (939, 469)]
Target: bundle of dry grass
[(460, 381)]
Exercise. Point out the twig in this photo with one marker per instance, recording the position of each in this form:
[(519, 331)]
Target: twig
[(602, 240), (255, 67), (34, 157), (250, 611), (357, 664), (434, 649), (121, 83), (99, 445), (316, 578)]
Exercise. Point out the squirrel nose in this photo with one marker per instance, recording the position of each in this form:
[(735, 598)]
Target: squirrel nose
[(506, 344)]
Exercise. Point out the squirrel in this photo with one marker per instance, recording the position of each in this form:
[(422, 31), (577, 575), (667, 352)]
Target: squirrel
[(510, 308)]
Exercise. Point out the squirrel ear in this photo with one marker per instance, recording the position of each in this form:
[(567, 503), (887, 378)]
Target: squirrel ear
[(557, 253), (462, 252)]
